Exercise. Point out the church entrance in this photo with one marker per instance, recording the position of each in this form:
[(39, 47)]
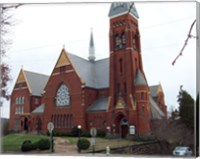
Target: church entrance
[(122, 126)]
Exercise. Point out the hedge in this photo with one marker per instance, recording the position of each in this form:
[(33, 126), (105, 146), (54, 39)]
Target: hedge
[(42, 144)]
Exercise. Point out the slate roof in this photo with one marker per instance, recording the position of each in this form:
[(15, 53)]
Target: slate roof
[(118, 8), (153, 90), (99, 105), (95, 74), (36, 82), (39, 109), (156, 112), (139, 79)]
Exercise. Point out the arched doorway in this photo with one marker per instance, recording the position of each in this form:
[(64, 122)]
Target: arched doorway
[(122, 126)]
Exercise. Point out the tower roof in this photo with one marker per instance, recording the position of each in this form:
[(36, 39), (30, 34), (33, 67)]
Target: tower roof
[(140, 79), (120, 8), (91, 48)]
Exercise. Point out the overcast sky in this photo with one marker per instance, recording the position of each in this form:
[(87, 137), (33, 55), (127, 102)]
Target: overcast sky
[(43, 30)]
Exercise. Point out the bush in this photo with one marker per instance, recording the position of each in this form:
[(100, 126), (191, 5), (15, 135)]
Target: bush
[(143, 138), (101, 133), (34, 145), (60, 133), (75, 131), (44, 144), (83, 144), (86, 134), (26, 146), (27, 141)]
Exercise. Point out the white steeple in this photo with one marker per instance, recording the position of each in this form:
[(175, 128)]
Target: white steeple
[(91, 48)]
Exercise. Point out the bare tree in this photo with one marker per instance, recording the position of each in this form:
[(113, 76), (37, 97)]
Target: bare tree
[(6, 22)]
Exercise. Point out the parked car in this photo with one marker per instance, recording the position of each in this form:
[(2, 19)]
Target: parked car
[(182, 151)]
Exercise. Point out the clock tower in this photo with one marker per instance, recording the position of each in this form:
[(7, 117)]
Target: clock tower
[(129, 91)]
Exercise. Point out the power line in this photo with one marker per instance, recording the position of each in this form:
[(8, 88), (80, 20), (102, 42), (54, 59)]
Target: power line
[(186, 41), (167, 23)]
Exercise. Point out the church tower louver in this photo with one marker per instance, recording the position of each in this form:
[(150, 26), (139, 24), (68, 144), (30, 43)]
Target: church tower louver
[(129, 91)]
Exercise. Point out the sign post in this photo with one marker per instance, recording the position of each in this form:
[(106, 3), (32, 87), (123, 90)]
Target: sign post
[(93, 133), (50, 127)]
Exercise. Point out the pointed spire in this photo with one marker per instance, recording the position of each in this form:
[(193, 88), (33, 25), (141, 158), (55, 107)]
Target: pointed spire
[(91, 48)]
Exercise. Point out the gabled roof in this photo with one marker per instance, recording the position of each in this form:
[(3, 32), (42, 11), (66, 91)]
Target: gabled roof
[(155, 89), (156, 112), (94, 74), (99, 105), (39, 109), (120, 8), (36, 82), (140, 79)]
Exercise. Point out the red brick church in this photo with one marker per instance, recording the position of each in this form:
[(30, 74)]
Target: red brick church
[(110, 94)]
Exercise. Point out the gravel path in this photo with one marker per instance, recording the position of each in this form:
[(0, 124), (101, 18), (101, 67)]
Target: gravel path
[(63, 146)]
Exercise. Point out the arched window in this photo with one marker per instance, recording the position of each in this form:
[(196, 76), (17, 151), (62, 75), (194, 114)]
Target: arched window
[(16, 100), (134, 41), (68, 121), (19, 100), (117, 42), (22, 100), (62, 96), (123, 40)]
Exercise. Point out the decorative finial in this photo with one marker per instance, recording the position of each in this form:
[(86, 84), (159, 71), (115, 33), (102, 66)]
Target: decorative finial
[(63, 46), (91, 48)]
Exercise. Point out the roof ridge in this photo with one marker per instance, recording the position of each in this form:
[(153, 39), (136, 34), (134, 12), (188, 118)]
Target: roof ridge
[(36, 73), (87, 59)]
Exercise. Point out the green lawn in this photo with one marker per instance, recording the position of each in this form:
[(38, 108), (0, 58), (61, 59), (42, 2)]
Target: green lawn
[(13, 142)]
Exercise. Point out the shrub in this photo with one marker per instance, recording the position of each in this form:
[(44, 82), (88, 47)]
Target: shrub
[(75, 131), (44, 144), (143, 138), (101, 133), (26, 146), (27, 141), (59, 133), (86, 134), (34, 145), (83, 144)]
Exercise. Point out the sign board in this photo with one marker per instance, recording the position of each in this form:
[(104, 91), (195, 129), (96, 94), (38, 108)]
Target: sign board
[(50, 126), (93, 141), (93, 132), (132, 130)]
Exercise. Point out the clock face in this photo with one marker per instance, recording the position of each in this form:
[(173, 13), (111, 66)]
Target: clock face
[(62, 96)]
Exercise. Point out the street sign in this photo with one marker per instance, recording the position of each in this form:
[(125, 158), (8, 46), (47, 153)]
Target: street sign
[(50, 126), (93, 132)]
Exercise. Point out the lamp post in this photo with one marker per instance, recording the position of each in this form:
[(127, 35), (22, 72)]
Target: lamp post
[(79, 131)]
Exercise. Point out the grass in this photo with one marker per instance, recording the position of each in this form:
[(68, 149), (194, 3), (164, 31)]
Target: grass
[(13, 142)]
